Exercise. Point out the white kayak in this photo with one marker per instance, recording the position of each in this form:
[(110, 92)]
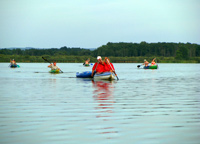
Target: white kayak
[(105, 76)]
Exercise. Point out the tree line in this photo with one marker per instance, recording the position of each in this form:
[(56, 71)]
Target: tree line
[(53, 51), (178, 50), (120, 52)]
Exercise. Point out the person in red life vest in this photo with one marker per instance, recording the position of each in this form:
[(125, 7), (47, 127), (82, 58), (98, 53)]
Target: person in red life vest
[(108, 66), (153, 62), (98, 66)]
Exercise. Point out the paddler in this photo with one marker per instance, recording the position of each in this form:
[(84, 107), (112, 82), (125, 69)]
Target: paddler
[(153, 62), (87, 62), (13, 62), (53, 66), (98, 66), (108, 66), (146, 63)]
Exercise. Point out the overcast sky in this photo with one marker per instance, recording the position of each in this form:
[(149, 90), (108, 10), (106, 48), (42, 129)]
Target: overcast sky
[(93, 23)]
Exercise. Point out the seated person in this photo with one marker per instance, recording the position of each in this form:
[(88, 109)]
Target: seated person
[(108, 66), (53, 66), (13, 62), (98, 66), (146, 63), (86, 62), (153, 62)]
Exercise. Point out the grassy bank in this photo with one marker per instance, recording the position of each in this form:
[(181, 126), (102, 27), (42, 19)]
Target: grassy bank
[(81, 59)]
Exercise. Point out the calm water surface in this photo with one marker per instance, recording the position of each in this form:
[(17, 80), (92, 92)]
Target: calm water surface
[(145, 106)]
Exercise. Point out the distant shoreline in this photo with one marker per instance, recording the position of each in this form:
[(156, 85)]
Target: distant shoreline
[(81, 59), (117, 52)]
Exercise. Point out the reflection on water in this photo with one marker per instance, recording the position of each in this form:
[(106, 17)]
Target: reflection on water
[(103, 96)]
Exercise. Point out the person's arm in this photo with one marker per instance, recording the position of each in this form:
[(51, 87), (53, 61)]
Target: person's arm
[(112, 66), (93, 69), (92, 73), (113, 69)]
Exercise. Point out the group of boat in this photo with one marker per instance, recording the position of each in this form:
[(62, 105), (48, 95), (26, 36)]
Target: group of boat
[(97, 76)]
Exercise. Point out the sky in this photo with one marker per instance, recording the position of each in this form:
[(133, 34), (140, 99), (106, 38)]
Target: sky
[(93, 23)]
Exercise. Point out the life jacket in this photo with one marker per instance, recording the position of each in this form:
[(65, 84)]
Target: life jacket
[(153, 63)]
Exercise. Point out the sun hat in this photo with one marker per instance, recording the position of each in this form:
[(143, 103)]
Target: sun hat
[(145, 60), (99, 57)]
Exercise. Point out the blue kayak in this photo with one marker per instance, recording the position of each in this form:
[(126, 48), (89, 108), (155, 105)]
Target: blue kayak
[(86, 74), (14, 65)]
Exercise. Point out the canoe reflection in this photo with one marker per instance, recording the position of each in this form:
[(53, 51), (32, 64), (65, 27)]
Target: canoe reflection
[(103, 96)]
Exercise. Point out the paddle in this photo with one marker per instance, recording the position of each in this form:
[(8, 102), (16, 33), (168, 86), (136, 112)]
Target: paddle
[(50, 63), (112, 69), (138, 66)]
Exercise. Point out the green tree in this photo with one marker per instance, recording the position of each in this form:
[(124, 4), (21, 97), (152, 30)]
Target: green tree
[(182, 53)]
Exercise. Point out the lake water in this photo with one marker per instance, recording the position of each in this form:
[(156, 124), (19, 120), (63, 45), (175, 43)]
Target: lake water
[(144, 107)]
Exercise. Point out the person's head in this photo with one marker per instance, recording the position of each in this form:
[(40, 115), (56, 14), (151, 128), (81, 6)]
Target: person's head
[(13, 59), (145, 60), (107, 60), (54, 63), (99, 59)]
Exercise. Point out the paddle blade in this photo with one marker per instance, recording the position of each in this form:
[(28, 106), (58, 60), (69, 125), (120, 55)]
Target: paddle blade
[(117, 78), (138, 66), (46, 60)]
